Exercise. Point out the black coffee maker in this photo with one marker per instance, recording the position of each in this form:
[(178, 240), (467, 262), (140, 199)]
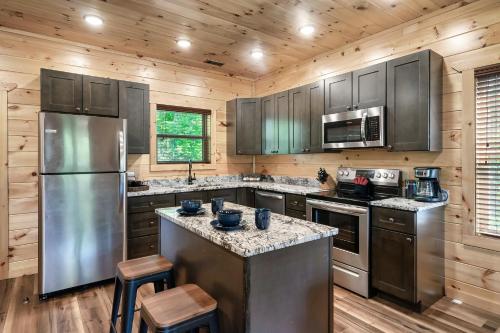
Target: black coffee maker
[(428, 189)]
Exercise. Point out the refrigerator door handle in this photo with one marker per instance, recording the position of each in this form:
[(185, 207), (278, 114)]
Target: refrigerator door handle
[(41, 142), (123, 146)]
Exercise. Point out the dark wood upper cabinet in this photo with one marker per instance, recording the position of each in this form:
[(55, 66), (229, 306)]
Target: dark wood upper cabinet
[(133, 104), (275, 136), (60, 91), (369, 86), (315, 108), (393, 263), (244, 126), (100, 96), (299, 120), (338, 93), (414, 97)]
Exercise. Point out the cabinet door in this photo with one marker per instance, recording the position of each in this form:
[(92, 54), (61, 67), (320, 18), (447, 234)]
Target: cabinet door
[(268, 124), (408, 102), (248, 126), (299, 120), (338, 93), (393, 263), (229, 195), (200, 195), (246, 196), (134, 106), (315, 108), (369, 87), (281, 123), (100, 96), (60, 91)]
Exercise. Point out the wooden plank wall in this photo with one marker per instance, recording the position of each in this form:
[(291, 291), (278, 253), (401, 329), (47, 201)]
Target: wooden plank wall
[(466, 37), (21, 57)]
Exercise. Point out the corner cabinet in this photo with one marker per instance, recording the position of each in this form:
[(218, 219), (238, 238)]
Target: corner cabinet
[(414, 102), (244, 126), (275, 135), (134, 106)]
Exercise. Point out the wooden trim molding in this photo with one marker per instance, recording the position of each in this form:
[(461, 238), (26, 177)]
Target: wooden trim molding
[(469, 235), (4, 180), (154, 166)]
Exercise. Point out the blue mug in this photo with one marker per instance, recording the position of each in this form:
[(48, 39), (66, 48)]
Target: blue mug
[(262, 218), (217, 204)]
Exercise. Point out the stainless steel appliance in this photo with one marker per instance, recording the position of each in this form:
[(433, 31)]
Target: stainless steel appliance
[(274, 201), (354, 129), (348, 209), (82, 199), (428, 188)]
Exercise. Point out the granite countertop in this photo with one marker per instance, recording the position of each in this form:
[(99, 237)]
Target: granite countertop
[(179, 188), (283, 231), (407, 204)]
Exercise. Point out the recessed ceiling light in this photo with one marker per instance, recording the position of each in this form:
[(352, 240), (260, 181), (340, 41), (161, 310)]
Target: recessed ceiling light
[(93, 20), (307, 30), (257, 54), (184, 43)]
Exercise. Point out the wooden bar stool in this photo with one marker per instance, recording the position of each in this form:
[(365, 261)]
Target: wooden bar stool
[(177, 310), (131, 274)]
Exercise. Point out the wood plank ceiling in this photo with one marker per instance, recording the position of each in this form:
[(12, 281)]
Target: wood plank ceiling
[(220, 30)]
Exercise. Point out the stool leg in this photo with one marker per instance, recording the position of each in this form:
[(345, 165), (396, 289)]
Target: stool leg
[(128, 306), (170, 280), (116, 304), (143, 328), (159, 286), (214, 323)]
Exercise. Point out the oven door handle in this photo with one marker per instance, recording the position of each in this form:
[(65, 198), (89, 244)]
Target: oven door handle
[(332, 207), (363, 127), (343, 270)]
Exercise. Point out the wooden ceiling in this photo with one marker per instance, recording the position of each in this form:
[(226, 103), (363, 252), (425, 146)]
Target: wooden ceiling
[(220, 30)]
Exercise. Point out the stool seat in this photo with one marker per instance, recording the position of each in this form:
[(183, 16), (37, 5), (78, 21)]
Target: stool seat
[(141, 267), (175, 306)]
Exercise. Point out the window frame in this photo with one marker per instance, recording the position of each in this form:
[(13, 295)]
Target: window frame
[(205, 137), (469, 230)]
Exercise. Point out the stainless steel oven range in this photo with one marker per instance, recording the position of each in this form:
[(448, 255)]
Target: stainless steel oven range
[(348, 209)]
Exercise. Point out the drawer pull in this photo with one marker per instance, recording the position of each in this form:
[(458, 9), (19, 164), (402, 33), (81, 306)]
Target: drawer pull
[(151, 203), (409, 239), (391, 219), (152, 222), (295, 203), (151, 246)]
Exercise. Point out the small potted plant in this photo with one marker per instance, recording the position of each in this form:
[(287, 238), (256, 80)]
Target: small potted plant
[(325, 180)]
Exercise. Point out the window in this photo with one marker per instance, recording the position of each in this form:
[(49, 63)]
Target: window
[(487, 133), (182, 134)]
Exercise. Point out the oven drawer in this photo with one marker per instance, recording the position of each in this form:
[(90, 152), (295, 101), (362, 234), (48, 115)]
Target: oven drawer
[(351, 278), (296, 202), (393, 219)]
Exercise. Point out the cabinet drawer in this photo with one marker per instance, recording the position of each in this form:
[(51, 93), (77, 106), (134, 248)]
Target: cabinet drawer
[(295, 213), (142, 224), (150, 203), (392, 219), (201, 195), (296, 202), (229, 195), (142, 246)]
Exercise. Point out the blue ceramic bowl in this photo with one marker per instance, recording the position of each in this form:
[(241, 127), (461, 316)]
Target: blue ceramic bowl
[(229, 217), (191, 206)]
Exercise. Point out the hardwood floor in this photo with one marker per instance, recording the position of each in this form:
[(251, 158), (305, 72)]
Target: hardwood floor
[(89, 311)]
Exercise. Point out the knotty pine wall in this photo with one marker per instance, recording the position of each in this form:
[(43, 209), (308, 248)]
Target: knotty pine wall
[(466, 37), (21, 57)]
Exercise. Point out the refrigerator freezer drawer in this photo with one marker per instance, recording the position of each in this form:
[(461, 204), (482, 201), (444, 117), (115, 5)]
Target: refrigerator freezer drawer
[(82, 226), (81, 144)]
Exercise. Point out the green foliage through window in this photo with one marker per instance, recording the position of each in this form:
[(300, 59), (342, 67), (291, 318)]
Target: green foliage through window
[(181, 136)]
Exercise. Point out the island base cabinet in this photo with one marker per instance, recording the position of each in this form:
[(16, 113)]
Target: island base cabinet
[(287, 290)]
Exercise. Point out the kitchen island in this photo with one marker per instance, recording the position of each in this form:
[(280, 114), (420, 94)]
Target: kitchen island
[(277, 280)]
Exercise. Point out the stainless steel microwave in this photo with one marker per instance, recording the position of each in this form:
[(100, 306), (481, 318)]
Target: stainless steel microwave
[(354, 129)]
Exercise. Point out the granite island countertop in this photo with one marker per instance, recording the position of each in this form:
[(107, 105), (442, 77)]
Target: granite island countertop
[(406, 204), (180, 188), (283, 231)]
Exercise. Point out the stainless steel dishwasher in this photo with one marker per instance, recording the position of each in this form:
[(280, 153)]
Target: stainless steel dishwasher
[(274, 201)]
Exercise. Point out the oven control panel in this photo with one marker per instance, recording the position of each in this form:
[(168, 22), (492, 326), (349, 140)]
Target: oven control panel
[(389, 177)]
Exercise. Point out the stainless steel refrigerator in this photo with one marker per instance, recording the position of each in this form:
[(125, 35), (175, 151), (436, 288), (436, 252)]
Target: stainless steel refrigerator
[(82, 199)]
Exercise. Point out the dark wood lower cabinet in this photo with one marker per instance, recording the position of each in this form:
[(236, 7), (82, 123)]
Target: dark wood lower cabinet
[(295, 206), (143, 246), (200, 195), (229, 195), (246, 196), (393, 261)]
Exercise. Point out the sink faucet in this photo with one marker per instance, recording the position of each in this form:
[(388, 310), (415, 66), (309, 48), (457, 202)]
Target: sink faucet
[(191, 178)]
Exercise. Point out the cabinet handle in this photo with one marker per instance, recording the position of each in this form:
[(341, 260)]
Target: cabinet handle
[(348, 108), (303, 150), (409, 239), (295, 203), (152, 222), (389, 148), (151, 203), (77, 109), (355, 106), (391, 219), (239, 151), (151, 246), (86, 109), (308, 150)]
